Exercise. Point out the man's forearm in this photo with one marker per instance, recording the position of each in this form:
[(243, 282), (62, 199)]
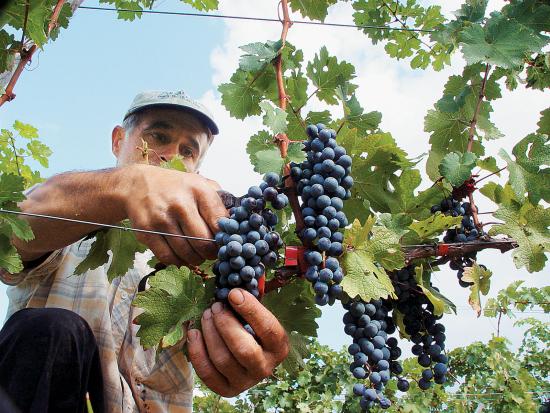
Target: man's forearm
[(96, 196)]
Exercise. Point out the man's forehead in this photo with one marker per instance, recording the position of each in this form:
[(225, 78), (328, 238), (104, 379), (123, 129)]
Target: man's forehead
[(169, 118)]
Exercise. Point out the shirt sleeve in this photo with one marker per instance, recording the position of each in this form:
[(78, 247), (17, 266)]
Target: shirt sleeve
[(46, 267)]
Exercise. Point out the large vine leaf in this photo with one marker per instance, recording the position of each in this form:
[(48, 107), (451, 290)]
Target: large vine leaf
[(294, 307), (266, 157), (326, 74), (440, 302), (274, 117), (9, 258), (481, 278), (363, 258), (123, 246), (258, 55), (528, 225), (176, 295), (457, 167), (434, 225), (544, 122), (240, 97), (530, 172), (11, 188), (501, 42), (314, 9)]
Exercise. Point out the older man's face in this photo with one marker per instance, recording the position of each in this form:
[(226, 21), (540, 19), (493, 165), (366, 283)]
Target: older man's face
[(166, 132)]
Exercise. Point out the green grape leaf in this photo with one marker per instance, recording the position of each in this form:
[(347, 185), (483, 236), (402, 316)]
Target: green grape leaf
[(440, 302), (266, 157), (364, 278), (398, 317), (240, 97), (123, 245), (274, 118), (176, 295), (297, 131), (528, 225), (481, 277), (488, 164), (13, 225), (9, 258), (298, 351), (11, 188), (501, 42), (294, 307), (434, 225), (472, 10), (176, 163), (203, 5), (544, 122), (25, 130), (258, 55), (313, 9), (327, 75), (527, 173), (39, 152), (457, 167)]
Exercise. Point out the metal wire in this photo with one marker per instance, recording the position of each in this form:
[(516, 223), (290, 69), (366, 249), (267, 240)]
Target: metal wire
[(79, 221), (263, 19)]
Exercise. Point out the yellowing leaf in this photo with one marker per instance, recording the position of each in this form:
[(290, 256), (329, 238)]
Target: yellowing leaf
[(481, 278)]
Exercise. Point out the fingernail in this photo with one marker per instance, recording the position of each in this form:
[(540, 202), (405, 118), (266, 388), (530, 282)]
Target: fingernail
[(207, 315), (217, 308), (192, 335), (236, 296)]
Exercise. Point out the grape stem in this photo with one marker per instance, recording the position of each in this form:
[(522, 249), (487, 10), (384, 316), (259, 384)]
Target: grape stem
[(281, 139), (26, 56), (471, 135)]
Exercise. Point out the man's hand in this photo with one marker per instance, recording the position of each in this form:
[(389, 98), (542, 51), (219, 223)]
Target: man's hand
[(175, 202), (225, 356)]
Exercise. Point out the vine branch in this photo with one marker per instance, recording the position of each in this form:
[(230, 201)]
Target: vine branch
[(471, 134), (286, 275), (26, 56)]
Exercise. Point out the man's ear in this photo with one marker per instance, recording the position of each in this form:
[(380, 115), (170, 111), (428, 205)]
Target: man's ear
[(117, 136)]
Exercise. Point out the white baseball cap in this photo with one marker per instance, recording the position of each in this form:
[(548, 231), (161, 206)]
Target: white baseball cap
[(177, 99)]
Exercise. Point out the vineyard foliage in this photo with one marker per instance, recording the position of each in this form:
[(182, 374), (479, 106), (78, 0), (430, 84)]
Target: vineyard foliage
[(388, 210)]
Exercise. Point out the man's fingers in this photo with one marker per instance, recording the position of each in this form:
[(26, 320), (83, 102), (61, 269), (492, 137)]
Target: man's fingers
[(220, 355), (211, 208), (241, 344), (269, 331), (192, 223), (204, 368)]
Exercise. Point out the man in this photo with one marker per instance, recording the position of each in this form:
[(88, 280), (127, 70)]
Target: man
[(49, 356)]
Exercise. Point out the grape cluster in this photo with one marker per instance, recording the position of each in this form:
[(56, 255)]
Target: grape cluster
[(247, 242), (467, 232), (323, 182), (374, 353), (421, 324)]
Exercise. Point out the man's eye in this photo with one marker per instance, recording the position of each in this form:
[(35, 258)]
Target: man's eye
[(187, 153), (161, 138)]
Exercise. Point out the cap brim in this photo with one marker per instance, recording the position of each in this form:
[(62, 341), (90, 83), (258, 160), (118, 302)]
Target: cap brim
[(206, 120)]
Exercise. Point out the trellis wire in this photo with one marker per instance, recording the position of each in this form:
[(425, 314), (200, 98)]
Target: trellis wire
[(263, 19), (79, 221)]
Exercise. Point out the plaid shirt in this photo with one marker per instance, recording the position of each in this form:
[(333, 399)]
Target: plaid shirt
[(135, 380)]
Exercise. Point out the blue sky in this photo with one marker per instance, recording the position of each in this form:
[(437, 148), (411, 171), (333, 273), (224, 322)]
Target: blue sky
[(79, 87)]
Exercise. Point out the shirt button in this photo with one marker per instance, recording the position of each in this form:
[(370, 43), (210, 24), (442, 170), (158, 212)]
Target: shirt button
[(124, 295)]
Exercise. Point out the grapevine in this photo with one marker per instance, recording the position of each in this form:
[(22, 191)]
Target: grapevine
[(318, 230)]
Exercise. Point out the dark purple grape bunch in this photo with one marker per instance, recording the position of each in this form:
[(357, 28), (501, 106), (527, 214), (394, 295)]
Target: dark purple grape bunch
[(466, 233), (247, 242), (374, 353), (421, 324), (323, 182)]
